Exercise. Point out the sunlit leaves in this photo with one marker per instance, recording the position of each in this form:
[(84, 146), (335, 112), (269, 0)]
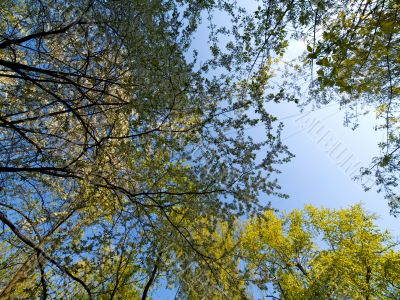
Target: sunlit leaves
[(321, 254)]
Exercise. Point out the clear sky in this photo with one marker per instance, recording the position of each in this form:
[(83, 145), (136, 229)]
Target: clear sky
[(314, 177)]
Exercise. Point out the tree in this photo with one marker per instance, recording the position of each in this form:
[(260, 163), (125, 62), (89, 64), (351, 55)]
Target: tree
[(321, 254), (109, 131), (123, 158), (313, 253), (220, 276)]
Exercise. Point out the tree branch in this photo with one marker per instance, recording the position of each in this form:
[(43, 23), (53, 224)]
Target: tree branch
[(40, 251), (152, 277)]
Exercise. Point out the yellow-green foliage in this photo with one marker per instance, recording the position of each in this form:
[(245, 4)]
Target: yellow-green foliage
[(322, 254)]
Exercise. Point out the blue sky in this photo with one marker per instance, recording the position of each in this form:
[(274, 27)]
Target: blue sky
[(313, 177)]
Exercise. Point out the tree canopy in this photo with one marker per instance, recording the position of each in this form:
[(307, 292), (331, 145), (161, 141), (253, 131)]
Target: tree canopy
[(125, 160), (321, 254), (112, 140)]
